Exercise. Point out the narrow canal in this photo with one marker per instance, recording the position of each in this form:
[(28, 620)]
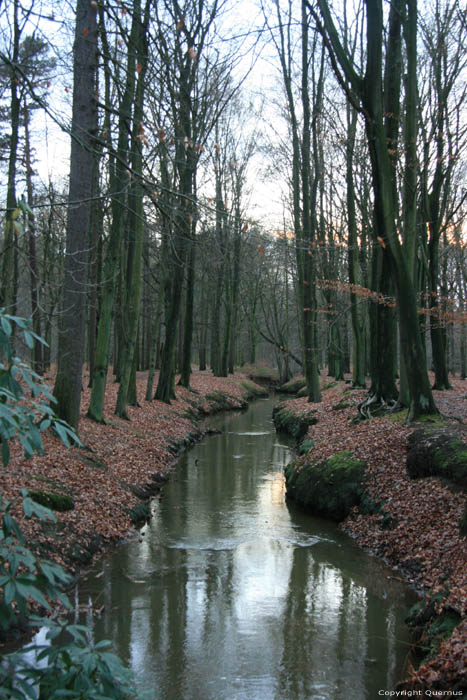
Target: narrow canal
[(232, 593)]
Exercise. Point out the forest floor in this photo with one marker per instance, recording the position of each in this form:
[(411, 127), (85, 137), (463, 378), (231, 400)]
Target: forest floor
[(423, 542), (123, 462)]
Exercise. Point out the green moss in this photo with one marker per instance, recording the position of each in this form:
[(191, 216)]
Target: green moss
[(305, 446), (440, 629), (428, 627), (398, 416), (219, 401), (434, 419), (293, 386), (260, 372), (328, 488), (55, 501), (286, 421), (253, 390), (341, 406), (140, 513), (437, 453), (329, 385)]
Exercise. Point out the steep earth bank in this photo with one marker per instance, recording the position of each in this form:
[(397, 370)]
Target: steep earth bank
[(416, 524)]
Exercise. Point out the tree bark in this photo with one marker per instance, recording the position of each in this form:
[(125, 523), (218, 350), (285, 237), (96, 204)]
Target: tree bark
[(33, 267), (375, 98), (127, 388), (67, 389), (118, 188), (9, 242)]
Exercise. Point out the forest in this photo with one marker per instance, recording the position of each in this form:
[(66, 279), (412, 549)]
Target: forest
[(199, 191), (149, 256)]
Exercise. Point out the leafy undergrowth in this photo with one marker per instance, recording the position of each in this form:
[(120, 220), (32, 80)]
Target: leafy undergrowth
[(417, 530), (120, 463)]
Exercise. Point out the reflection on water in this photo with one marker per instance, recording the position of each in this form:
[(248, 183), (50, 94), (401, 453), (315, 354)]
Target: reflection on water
[(233, 594)]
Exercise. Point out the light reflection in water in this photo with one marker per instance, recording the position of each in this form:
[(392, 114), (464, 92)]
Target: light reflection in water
[(234, 595)]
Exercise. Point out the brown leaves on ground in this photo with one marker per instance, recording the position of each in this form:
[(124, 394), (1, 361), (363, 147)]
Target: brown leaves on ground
[(116, 456), (423, 539)]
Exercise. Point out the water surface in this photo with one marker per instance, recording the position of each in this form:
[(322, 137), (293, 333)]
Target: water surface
[(234, 594)]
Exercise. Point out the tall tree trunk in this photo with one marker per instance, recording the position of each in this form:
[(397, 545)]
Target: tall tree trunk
[(380, 106), (216, 347), (154, 346), (308, 233), (237, 255), (358, 337), (67, 389), (33, 267), (118, 188), (189, 311), (95, 247), (9, 242), (421, 400), (203, 323), (127, 388)]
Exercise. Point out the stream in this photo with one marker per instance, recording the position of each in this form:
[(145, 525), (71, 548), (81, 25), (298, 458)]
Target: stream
[(231, 593)]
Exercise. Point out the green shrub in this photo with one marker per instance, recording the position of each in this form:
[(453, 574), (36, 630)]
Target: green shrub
[(79, 668), (21, 417)]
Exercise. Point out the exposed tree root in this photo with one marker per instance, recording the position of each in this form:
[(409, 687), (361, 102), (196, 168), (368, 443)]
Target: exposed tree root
[(375, 405)]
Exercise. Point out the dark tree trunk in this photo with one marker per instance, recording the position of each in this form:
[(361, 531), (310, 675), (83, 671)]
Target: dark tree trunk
[(67, 389), (7, 299), (33, 267), (118, 187), (189, 310), (127, 388)]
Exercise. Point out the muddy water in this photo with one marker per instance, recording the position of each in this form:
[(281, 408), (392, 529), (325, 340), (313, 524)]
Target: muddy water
[(234, 594)]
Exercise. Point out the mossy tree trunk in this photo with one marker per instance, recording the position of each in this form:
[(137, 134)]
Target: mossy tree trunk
[(379, 101), (127, 388), (236, 271), (203, 317), (185, 164), (155, 338), (304, 189), (220, 268), (358, 336), (118, 187), (307, 238), (189, 310)]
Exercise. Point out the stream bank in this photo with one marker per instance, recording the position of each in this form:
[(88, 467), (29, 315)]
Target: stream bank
[(413, 524), (231, 593), (108, 482)]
